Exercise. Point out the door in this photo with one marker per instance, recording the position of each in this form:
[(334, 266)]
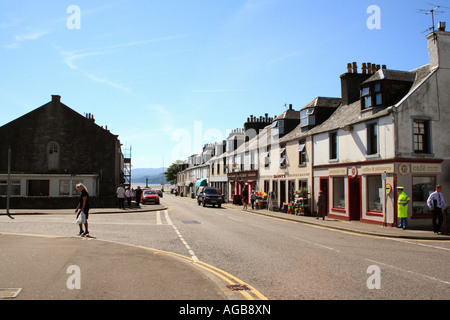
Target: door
[(324, 188), (354, 198), (282, 192), (38, 188)]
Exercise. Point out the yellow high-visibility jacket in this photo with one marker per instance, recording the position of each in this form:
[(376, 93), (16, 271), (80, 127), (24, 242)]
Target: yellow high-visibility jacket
[(402, 210)]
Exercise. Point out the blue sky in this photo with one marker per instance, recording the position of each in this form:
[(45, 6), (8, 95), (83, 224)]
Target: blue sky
[(169, 76)]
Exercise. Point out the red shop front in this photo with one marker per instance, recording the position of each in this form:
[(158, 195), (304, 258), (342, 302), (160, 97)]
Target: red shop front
[(239, 181)]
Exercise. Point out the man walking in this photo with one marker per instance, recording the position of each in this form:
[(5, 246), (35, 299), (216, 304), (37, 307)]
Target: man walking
[(402, 208), (437, 205)]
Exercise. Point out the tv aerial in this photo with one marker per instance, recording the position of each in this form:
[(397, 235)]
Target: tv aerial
[(432, 12)]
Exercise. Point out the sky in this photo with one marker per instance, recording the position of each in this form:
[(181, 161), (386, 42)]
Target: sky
[(169, 76)]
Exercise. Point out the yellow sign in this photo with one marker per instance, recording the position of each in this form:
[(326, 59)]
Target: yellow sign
[(388, 188)]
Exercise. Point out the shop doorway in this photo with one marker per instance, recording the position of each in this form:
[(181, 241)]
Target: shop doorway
[(354, 198), (282, 192), (324, 188)]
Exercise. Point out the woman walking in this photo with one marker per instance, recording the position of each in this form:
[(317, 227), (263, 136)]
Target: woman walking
[(83, 206)]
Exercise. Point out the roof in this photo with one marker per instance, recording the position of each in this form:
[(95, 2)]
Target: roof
[(323, 102), (385, 74), (346, 115)]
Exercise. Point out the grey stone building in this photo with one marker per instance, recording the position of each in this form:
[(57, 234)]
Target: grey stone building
[(53, 148)]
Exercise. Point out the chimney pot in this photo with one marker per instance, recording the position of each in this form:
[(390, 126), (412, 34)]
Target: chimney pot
[(354, 67), (441, 26), (349, 68), (364, 68)]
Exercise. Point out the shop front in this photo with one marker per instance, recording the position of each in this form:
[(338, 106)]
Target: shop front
[(240, 181), (366, 191)]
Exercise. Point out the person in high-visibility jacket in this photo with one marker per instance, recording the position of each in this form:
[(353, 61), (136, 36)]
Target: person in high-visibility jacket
[(402, 208)]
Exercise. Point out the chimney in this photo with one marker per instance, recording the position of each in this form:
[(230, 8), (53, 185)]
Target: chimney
[(438, 44), (56, 98), (351, 81), (290, 106)]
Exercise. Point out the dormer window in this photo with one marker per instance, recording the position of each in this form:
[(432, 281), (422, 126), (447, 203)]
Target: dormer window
[(371, 96), (307, 117)]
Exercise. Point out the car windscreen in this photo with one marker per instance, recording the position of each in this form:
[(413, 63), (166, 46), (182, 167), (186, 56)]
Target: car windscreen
[(150, 192), (210, 191)]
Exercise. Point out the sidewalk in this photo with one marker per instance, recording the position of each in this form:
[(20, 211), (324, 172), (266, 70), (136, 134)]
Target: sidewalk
[(143, 208), (349, 226)]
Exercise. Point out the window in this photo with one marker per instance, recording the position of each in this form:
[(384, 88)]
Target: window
[(15, 187), (421, 136), (64, 187), (282, 156), (375, 193), (307, 117), (52, 156), (378, 95), (267, 158), (338, 193), (302, 153), (333, 145), (421, 190), (371, 96), (372, 138)]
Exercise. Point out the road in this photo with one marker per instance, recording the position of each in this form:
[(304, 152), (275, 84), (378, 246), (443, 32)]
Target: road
[(281, 259)]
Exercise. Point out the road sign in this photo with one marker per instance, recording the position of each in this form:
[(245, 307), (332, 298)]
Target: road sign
[(388, 188)]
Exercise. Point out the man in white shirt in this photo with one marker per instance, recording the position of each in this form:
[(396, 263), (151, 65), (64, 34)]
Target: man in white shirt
[(121, 196), (437, 205)]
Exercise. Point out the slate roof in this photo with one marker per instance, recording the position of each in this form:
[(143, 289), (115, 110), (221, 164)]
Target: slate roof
[(346, 115)]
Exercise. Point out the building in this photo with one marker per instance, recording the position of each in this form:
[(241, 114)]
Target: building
[(53, 148), (298, 148), (393, 135)]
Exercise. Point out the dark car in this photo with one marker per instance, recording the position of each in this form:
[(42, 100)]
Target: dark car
[(209, 196)]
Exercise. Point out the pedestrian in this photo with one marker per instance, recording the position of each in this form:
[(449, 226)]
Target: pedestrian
[(138, 193), (83, 206), (402, 208), (321, 205), (245, 197), (129, 195), (437, 205), (121, 196), (253, 199)]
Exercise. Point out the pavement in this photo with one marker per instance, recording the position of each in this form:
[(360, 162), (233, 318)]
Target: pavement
[(39, 265)]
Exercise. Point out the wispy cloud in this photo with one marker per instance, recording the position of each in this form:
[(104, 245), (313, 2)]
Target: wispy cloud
[(27, 36), (72, 58), (216, 90)]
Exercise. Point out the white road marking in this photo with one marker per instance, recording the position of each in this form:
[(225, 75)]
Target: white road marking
[(189, 249), (158, 218), (408, 271)]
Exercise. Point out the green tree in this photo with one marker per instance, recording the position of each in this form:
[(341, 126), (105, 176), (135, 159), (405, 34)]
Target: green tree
[(171, 173)]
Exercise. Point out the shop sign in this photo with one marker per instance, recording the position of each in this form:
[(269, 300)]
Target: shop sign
[(378, 169), (279, 176), (337, 172), (426, 168), (353, 172)]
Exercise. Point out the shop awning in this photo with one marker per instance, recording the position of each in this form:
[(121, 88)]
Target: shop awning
[(201, 183)]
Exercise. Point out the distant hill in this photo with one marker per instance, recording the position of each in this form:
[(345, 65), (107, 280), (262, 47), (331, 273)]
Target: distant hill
[(154, 175)]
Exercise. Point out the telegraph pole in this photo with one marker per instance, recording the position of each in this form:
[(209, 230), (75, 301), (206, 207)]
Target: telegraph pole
[(8, 187)]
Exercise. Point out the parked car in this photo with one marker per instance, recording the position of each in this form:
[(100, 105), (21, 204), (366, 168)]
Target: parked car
[(150, 196), (209, 195)]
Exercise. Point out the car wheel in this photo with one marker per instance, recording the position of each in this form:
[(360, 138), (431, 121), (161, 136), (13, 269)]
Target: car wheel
[(219, 205)]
